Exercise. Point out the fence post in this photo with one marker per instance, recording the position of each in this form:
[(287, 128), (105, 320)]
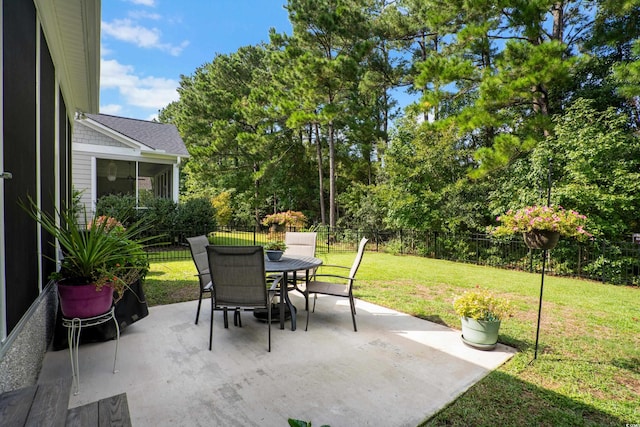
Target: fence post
[(579, 263), (477, 237), (376, 235), (604, 259), (435, 244)]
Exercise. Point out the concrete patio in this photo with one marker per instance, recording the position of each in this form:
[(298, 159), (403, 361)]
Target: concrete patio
[(395, 371)]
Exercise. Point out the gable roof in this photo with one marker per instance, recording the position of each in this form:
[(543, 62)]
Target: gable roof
[(158, 136)]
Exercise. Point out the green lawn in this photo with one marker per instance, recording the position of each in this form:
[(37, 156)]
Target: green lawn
[(588, 366)]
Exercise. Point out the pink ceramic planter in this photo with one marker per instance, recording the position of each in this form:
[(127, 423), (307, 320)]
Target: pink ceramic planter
[(84, 301)]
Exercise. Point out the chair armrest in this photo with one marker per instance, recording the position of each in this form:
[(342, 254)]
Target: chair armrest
[(335, 276), (276, 282), (272, 291), (203, 273), (334, 266)]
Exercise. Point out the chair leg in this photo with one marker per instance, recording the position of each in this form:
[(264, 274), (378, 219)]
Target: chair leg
[(306, 297), (211, 329), (199, 304), (269, 327), (353, 313), (306, 301), (212, 303), (226, 318), (237, 320)]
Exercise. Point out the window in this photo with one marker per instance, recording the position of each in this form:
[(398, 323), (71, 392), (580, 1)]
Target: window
[(140, 179)]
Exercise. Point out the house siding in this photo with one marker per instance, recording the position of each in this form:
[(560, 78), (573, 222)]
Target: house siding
[(85, 135), (81, 178)]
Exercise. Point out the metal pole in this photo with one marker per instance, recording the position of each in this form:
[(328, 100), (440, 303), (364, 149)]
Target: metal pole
[(544, 263), (544, 260), (549, 183)]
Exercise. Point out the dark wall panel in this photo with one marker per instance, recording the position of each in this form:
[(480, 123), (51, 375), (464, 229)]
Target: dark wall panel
[(47, 150), (19, 126), (65, 153)]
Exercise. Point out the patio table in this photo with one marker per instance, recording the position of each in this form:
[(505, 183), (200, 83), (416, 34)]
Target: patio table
[(289, 264)]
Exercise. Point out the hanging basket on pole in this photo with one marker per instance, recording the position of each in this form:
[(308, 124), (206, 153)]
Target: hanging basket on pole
[(541, 239)]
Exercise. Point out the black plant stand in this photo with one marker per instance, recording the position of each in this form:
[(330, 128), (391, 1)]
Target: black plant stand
[(544, 261), (544, 264)]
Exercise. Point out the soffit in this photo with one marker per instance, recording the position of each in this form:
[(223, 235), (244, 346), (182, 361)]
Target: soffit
[(72, 31)]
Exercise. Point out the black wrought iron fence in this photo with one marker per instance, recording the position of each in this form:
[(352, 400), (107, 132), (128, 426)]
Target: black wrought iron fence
[(612, 262)]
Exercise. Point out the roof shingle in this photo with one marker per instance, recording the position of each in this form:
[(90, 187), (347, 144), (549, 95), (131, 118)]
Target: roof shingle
[(158, 136)]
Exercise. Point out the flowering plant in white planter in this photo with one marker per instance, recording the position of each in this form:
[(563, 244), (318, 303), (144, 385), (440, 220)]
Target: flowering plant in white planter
[(481, 305)]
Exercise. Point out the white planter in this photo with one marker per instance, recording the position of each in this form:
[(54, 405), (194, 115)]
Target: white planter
[(480, 333)]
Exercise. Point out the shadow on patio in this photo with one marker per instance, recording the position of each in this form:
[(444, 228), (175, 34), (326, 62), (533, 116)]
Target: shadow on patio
[(395, 371)]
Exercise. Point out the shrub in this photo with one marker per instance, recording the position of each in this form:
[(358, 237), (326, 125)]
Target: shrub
[(161, 213), (286, 219), (222, 204), (119, 206), (195, 216)]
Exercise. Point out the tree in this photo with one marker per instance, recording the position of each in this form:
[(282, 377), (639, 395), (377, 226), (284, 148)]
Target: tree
[(236, 141), (596, 160), (508, 59), (330, 40)]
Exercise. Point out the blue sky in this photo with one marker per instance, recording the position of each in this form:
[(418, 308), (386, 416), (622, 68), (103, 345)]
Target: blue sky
[(147, 44)]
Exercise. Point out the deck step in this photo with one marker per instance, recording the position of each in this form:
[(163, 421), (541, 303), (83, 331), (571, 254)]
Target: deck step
[(111, 411), (37, 405), (45, 405)]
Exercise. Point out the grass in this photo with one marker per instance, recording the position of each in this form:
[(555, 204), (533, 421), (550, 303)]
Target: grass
[(587, 372)]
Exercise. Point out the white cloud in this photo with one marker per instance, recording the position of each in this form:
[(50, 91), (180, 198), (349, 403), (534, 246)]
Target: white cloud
[(143, 14), (145, 92), (113, 109), (128, 31), (150, 3)]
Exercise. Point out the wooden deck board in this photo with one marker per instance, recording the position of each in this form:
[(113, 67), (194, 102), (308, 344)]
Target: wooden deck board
[(15, 406), (86, 415), (109, 412), (45, 405), (50, 404), (114, 411)]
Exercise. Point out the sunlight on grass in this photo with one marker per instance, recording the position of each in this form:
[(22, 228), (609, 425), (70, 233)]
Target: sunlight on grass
[(170, 282)]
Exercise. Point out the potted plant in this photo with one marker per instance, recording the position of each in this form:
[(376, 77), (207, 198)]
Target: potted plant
[(99, 262), (541, 226), (274, 250), (481, 313)]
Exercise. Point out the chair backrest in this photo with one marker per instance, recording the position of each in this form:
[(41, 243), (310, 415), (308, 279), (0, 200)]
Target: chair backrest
[(303, 244), (198, 246), (356, 262), (239, 276)]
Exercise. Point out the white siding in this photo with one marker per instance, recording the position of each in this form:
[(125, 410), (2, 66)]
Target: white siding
[(84, 135), (81, 177)]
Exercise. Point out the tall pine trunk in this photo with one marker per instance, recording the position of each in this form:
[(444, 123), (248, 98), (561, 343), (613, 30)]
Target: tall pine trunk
[(332, 177), (323, 216)]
